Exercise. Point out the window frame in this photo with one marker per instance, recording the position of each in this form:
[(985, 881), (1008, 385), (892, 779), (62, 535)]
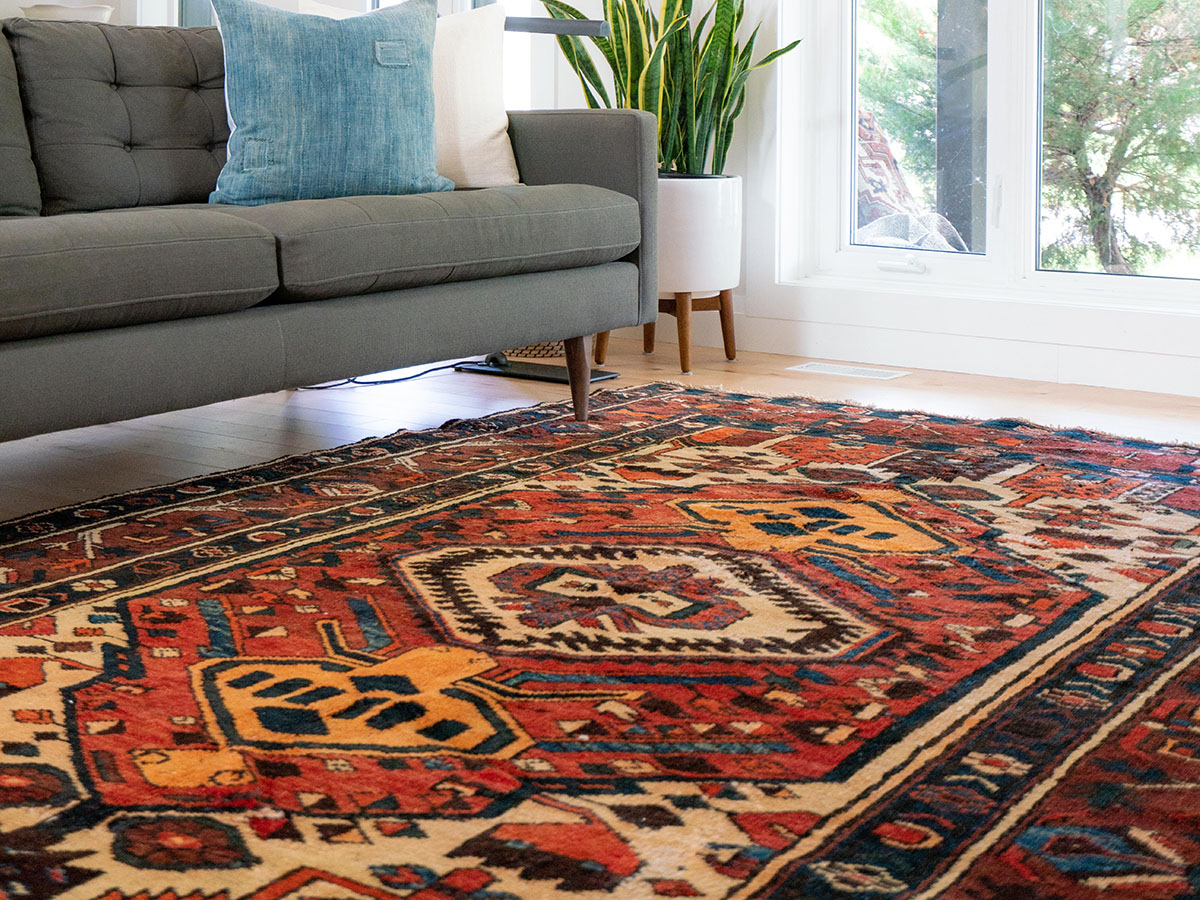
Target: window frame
[(815, 214)]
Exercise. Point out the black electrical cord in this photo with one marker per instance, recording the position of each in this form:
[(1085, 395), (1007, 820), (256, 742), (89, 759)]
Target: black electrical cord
[(359, 382)]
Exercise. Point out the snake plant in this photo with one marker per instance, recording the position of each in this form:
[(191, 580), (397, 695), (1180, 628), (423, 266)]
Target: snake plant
[(692, 78)]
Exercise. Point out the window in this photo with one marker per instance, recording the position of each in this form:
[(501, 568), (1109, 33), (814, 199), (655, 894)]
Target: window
[(921, 110), (1120, 137), (1043, 148)]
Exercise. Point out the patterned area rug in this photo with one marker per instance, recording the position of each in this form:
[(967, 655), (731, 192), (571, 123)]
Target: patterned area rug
[(706, 645)]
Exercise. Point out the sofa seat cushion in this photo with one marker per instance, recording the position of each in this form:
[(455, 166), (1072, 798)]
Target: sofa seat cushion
[(361, 245), (84, 271)]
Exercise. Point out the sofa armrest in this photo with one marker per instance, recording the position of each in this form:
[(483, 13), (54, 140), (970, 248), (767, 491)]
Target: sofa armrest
[(610, 148)]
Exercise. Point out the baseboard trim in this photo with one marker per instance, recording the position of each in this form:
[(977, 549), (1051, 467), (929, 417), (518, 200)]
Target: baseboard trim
[(1132, 370)]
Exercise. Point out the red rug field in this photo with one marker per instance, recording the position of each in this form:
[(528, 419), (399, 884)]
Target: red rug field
[(705, 645)]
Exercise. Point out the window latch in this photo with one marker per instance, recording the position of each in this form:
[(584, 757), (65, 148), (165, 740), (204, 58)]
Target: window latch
[(910, 265)]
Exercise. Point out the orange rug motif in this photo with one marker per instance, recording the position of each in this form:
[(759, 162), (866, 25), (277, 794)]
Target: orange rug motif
[(705, 645)]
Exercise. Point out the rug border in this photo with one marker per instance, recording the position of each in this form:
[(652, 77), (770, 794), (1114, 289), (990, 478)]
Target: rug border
[(191, 479)]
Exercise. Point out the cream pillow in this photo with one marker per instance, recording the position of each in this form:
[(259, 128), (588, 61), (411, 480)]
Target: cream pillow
[(471, 122)]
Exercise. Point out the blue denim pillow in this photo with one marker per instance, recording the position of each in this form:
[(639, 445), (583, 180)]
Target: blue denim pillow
[(327, 108)]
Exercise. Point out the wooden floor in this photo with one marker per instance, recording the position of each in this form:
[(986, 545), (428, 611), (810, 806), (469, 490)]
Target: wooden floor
[(74, 466)]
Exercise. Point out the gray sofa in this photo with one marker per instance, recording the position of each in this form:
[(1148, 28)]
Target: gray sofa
[(123, 293)]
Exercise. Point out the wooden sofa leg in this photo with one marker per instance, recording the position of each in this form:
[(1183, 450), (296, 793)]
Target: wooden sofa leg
[(580, 373), (648, 337), (601, 351)]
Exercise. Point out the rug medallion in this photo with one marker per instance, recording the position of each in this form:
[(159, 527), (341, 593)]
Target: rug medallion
[(705, 645)]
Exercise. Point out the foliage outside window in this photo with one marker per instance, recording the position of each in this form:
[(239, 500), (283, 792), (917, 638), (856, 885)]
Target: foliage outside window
[(1121, 136)]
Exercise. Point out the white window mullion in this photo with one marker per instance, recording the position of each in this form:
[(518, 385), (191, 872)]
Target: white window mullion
[(1012, 140)]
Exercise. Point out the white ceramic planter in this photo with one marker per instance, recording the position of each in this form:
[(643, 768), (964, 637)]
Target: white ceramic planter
[(699, 234), (72, 13)]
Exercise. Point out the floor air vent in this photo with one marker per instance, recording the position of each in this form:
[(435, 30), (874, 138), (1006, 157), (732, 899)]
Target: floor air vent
[(818, 368)]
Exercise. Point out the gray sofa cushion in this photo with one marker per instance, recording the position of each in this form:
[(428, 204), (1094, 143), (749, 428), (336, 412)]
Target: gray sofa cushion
[(19, 192), (361, 245), (103, 270), (121, 116)]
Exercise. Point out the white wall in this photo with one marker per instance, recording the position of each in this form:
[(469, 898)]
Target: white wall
[(1038, 338)]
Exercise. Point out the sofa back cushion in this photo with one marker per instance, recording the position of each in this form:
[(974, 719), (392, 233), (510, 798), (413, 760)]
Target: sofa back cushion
[(121, 116), (473, 149), (19, 192)]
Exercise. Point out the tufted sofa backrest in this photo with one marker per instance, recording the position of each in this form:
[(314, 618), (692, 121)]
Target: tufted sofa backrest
[(121, 116), (19, 195)]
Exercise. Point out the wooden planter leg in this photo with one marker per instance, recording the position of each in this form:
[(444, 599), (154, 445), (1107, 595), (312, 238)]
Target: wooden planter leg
[(580, 373), (601, 347), (683, 320), (726, 312), (648, 337)]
